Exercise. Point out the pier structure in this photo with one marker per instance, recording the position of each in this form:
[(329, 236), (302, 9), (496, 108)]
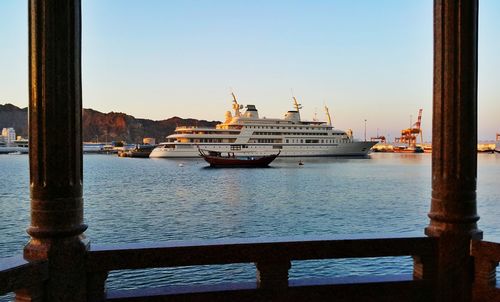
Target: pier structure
[(451, 263)]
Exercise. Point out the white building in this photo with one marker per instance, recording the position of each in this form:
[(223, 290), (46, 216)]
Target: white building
[(9, 135)]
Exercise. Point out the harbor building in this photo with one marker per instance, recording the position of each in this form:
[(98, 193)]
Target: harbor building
[(9, 136)]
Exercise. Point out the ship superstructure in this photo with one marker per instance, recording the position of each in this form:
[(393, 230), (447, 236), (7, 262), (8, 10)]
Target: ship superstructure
[(248, 133)]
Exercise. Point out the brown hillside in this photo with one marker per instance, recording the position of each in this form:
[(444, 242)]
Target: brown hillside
[(113, 126)]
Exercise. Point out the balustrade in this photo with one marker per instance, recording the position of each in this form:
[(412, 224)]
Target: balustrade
[(19, 275), (272, 259)]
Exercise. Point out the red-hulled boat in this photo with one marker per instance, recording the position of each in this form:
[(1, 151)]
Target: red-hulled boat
[(230, 159)]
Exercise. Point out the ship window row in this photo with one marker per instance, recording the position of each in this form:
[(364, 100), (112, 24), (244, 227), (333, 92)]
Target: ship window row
[(278, 127), (238, 147), (290, 133), (268, 141), (210, 132), (302, 133), (206, 140), (313, 141), (297, 133)]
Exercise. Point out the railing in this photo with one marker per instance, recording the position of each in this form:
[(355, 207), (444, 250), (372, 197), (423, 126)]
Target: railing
[(486, 257), (16, 274), (273, 260), (271, 257)]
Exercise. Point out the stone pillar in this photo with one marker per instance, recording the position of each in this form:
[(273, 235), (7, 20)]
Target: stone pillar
[(55, 141), (453, 216)]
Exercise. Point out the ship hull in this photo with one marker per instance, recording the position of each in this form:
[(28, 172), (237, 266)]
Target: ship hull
[(341, 149)]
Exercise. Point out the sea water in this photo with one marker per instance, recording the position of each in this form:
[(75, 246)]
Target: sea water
[(129, 200)]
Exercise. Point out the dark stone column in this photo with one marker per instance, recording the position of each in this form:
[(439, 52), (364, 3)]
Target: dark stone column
[(454, 138), (55, 134)]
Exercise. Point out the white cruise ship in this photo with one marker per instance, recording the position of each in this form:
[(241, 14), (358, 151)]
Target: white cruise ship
[(248, 133)]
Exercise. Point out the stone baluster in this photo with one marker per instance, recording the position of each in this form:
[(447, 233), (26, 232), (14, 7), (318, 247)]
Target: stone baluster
[(96, 286), (424, 267), (485, 280), (273, 274)]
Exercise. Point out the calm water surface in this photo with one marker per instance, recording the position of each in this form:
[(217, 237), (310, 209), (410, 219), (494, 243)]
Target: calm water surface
[(149, 200)]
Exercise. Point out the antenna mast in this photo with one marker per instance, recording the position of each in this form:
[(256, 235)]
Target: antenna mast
[(236, 106), (328, 115), (296, 104)]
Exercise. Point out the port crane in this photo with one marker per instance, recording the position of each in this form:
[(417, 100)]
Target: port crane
[(409, 135), (378, 138)]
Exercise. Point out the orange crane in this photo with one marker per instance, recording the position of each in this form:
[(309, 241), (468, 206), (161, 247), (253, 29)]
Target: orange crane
[(409, 135), (378, 138)]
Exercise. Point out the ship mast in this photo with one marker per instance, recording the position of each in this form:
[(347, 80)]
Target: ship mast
[(328, 115), (296, 104), (236, 106)]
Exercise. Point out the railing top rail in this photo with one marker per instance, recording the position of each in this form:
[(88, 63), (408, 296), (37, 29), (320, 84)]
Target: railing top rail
[(225, 251), (17, 273)]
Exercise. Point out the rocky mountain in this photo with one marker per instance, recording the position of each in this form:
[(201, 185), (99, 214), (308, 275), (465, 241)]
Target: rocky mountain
[(112, 126)]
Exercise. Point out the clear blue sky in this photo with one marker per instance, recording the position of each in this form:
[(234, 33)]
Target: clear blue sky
[(156, 59)]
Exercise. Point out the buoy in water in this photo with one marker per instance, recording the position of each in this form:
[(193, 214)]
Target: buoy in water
[(181, 165)]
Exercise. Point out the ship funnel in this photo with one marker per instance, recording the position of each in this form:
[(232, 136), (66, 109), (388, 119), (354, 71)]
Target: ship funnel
[(293, 116), (251, 112)]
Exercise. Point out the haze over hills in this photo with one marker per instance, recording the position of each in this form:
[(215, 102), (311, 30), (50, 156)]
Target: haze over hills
[(112, 126)]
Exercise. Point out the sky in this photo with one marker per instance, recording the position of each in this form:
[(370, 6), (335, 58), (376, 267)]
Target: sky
[(156, 59)]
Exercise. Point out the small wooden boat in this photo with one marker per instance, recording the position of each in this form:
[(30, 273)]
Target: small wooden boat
[(230, 159)]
